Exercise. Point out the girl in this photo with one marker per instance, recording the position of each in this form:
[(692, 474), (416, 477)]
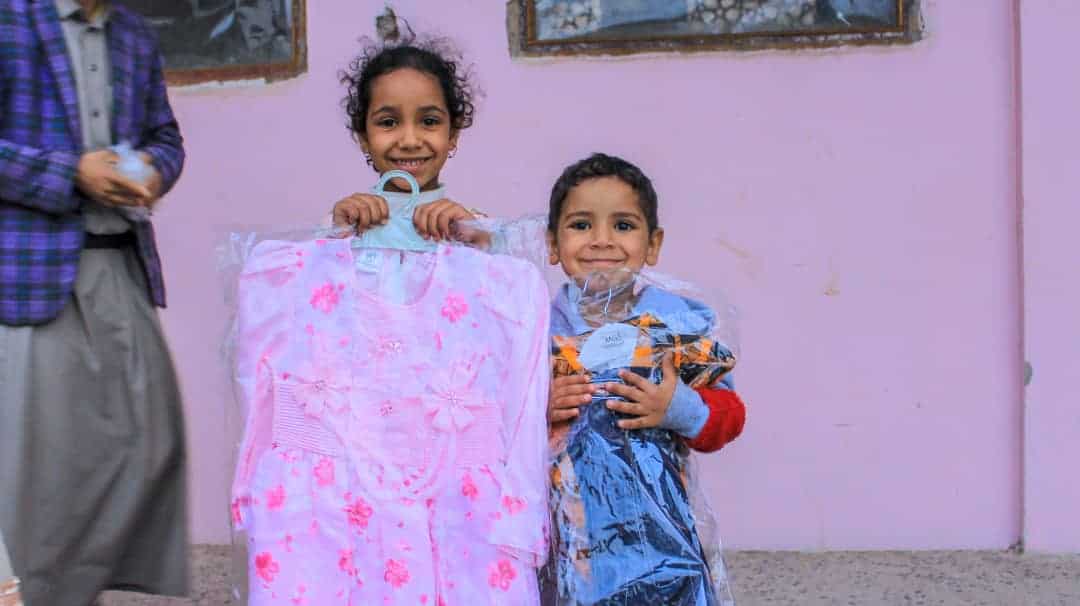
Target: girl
[(624, 530), (407, 105), (423, 507)]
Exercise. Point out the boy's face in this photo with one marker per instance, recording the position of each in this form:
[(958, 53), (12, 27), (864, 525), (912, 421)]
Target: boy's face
[(408, 127), (602, 228)]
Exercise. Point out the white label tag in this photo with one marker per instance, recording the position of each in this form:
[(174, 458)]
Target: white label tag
[(369, 261), (611, 346)]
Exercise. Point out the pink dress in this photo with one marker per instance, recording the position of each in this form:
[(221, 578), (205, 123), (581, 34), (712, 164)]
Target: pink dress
[(395, 446)]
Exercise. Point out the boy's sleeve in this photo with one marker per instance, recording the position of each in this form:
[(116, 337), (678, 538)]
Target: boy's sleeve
[(708, 417), (727, 416)]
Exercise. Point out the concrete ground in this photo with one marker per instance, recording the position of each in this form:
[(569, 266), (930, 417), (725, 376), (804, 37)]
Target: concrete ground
[(805, 579)]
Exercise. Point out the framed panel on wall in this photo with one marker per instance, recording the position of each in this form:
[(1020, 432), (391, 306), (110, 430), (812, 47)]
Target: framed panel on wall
[(216, 40), (582, 27)]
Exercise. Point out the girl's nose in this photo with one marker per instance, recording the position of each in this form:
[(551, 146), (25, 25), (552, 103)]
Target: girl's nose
[(410, 137)]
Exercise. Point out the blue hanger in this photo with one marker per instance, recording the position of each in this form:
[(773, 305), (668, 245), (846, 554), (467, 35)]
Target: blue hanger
[(390, 175), (398, 233)]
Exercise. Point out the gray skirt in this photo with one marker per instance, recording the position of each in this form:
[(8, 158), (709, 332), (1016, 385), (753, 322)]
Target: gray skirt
[(93, 492)]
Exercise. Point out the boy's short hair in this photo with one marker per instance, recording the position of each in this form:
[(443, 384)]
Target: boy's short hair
[(602, 165)]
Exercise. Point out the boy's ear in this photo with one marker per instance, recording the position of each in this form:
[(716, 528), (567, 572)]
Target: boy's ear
[(656, 240), (553, 249)]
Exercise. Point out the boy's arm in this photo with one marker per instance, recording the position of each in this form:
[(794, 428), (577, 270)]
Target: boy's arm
[(708, 418)]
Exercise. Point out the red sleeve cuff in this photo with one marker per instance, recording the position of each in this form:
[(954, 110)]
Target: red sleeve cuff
[(727, 415)]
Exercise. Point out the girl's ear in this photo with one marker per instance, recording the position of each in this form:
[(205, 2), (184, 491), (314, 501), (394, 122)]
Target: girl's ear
[(553, 248), (656, 240)]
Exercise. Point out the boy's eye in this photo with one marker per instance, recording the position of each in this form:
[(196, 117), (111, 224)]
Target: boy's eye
[(579, 225), (625, 226)]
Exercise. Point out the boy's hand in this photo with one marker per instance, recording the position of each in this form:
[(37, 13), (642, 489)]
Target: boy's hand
[(645, 400), (568, 395), (361, 211)]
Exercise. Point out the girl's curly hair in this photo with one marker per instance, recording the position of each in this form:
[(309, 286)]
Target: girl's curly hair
[(436, 57)]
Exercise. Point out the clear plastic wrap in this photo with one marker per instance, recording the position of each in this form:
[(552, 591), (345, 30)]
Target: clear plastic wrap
[(9, 584), (631, 524), (394, 397), (522, 237), (131, 165)]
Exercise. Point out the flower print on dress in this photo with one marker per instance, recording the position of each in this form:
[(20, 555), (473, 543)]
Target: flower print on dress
[(468, 487), (513, 505), (453, 393), (324, 472), (275, 497), (321, 387), (501, 574), (397, 573), (358, 511), (379, 350), (387, 347), (326, 297), (266, 567), (345, 562), (455, 307), (237, 507)]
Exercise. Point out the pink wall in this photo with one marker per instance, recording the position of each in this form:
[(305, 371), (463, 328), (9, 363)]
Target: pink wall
[(1051, 216), (858, 204)]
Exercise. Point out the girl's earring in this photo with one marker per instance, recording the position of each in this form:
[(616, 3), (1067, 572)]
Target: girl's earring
[(367, 157), (453, 152)]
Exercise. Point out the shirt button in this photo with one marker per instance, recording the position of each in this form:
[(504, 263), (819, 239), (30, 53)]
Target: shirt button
[(95, 113), (93, 67)]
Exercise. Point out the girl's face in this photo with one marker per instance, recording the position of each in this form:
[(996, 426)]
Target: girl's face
[(602, 228), (408, 127)]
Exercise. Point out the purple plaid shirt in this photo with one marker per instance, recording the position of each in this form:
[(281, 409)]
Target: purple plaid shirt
[(41, 223)]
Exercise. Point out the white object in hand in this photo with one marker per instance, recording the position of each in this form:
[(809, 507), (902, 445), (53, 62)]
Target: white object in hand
[(131, 165)]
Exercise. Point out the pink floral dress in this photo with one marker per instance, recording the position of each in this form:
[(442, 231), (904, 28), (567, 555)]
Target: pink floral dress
[(395, 443)]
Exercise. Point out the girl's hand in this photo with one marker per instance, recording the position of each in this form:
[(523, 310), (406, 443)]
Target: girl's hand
[(435, 221), (644, 399), (568, 394), (361, 211)]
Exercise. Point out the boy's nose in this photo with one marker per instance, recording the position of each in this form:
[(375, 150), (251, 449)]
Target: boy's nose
[(601, 238)]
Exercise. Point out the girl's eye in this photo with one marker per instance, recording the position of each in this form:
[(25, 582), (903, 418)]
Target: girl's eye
[(431, 122), (386, 122), (579, 225), (625, 226)]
